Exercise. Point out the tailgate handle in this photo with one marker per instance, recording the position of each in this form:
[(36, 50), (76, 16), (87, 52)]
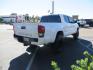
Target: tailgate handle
[(23, 27)]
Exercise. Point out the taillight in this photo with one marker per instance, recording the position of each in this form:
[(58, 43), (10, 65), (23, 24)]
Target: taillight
[(41, 30)]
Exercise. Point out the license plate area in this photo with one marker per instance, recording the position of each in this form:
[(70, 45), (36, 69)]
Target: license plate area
[(30, 39), (26, 39), (34, 39)]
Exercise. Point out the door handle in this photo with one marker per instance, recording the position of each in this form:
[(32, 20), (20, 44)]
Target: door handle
[(23, 27)]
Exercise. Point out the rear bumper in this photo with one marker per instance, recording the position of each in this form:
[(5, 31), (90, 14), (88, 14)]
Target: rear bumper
[(39, 42), (34, 41), (20, 39)]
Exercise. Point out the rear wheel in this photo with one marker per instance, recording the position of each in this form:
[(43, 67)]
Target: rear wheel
[(59, 38), (76, 35), (20, 39)]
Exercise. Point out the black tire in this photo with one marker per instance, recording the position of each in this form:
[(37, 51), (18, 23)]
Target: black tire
[(59, 38), (82, 25), (20, 39), (78, 24), (76, 35)]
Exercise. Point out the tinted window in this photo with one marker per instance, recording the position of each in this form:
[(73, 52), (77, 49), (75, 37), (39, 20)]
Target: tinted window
[(69, 19), (66, 19), (51, 19)]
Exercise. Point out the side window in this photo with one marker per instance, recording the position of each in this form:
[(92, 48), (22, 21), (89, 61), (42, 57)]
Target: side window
[(66, 19), (71, 20)]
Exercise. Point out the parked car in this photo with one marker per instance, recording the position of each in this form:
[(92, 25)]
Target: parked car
[(81, 22), (51, 29), (89, 22)]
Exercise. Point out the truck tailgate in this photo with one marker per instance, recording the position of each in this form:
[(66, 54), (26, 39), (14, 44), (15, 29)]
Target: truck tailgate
[(26, 29)]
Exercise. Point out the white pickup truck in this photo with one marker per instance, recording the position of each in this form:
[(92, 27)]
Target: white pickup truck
[(52, 28)]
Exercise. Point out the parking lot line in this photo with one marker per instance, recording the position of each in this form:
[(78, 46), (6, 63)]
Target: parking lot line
[(32, 59), (86, 46)]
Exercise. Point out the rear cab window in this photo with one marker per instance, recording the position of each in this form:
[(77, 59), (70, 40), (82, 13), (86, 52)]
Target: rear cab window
[(51, 19)]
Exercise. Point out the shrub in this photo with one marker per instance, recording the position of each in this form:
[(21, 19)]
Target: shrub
[(84, 64), (54, 65)]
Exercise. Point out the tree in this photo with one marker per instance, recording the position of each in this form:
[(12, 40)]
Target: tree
[(1, 20), (27, 17), (35, 19)]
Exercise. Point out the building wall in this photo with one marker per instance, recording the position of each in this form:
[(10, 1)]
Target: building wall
[(13, 18), (75, 17), (9, 19)]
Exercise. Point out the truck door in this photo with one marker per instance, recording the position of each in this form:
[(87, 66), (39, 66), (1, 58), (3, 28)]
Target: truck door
[(69, 27)]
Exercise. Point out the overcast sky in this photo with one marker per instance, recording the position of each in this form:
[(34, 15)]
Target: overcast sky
[(83, 8)]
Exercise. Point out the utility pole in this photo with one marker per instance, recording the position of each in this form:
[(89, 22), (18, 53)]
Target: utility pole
[(52, 7)]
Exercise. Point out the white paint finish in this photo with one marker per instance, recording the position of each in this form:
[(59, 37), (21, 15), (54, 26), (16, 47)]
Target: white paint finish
[(51, 29)]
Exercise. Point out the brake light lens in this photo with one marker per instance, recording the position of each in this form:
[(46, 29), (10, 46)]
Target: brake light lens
[(41, 30)]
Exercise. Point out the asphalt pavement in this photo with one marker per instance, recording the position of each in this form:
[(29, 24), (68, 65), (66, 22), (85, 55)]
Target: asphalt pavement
[(15, 56)]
